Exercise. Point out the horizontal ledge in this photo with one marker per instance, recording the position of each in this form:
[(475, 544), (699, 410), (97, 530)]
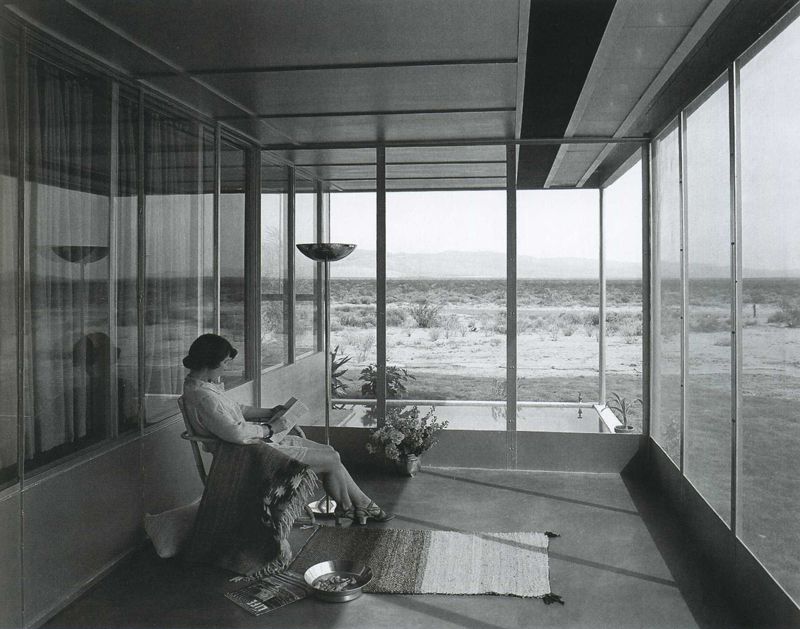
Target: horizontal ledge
[(464, 142), (330, 66), (356, 114), (362, 402)]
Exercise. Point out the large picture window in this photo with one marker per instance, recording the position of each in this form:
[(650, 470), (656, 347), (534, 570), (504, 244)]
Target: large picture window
[(179, 292), (67, 296), (667, 300), (274, 268), (769, 433), (233, 193), (709, 295), (307, 272), (8, 262)]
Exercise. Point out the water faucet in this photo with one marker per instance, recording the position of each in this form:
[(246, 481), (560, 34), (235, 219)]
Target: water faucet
[(580, 410)]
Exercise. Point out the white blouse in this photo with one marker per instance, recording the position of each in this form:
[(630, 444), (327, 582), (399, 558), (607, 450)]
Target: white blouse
[(219, 415)]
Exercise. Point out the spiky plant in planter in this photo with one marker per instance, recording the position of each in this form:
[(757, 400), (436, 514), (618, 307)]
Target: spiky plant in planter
[(621, 407)]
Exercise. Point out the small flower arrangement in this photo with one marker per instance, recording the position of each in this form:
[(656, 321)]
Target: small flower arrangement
[(405, 433)]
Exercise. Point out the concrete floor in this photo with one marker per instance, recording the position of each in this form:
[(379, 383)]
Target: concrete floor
[(622, 561)]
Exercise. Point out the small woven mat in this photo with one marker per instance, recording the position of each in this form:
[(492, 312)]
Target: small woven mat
[(411, 561)]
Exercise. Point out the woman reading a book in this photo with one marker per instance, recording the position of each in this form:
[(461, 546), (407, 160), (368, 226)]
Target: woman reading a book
[(220, 416)]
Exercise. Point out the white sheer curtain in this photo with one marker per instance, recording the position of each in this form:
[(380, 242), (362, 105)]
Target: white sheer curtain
[(8, 266), (178, 254), (67, 318)]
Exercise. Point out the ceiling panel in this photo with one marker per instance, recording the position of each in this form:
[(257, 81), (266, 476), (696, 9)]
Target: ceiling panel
[(391, 128), (446, 184), (260, 33), (370, 89), (189, 91), (87, 34), (647, 47), (431, 154), (328, 156), (665, 12)]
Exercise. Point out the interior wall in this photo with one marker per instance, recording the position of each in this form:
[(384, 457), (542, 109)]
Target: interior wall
[(10, 559), (765, 603), (78, 521), (540, 451)]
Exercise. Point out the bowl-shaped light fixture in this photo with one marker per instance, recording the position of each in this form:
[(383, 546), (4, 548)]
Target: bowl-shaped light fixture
[(326, 251)]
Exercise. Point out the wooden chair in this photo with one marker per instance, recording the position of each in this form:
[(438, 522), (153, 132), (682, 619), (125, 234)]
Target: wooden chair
[(195, 440)]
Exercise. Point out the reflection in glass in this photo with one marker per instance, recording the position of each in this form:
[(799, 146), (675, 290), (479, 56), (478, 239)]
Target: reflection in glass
[(8, 262), (307, 274), (622, 215), (709, 291), (179, 291), (125, 209), (446, 301), (667, 318), (233, 188), (558, 300), (67, 307), (769, 433), (274, 272), (353, 302)]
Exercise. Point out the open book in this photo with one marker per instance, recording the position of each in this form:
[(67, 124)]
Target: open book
[(284, 421)]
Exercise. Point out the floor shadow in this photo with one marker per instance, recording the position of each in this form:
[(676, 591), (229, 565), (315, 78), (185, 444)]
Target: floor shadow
[(529, 492), (706, 598), (413, 602)]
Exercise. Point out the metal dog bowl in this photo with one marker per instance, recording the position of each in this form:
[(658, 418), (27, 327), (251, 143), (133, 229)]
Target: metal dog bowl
[(329, 580)]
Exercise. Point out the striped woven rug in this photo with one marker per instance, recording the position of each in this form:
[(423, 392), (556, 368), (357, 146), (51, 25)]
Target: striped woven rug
[(411, 561)]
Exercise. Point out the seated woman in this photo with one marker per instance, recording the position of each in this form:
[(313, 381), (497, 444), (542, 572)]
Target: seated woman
[(222, 417)]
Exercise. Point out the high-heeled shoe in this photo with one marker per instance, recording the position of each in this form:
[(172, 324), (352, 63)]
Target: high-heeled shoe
[(340, 514), (371, 512)]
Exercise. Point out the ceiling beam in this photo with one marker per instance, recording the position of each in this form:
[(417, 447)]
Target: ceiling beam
[(333, 66), (395, 112)]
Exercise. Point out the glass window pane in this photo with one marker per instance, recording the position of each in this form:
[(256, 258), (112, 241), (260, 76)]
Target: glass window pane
[(307, 275), (179, 295), (233, 189), (274, 271), (709, 291), (769, 445), (8, 262), (667, 318), (446, 300), (622, 214), (67, 296), (353, 305), (558, 305), (125, 215)]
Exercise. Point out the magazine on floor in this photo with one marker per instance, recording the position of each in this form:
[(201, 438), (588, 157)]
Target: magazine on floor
[(270, 593)]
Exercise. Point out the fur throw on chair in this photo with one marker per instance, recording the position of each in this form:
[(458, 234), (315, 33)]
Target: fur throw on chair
[(253, 496)]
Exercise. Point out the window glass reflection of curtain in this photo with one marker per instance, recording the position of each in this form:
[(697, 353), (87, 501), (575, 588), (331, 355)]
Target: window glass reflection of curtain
[(176, 257), (126, 210), (66, 297), (8, 264)]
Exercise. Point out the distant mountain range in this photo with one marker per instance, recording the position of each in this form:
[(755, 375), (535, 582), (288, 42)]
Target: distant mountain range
[(477, 264)]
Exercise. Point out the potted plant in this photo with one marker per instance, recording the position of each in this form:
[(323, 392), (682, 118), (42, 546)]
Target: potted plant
[(405, 436), (621, 406)]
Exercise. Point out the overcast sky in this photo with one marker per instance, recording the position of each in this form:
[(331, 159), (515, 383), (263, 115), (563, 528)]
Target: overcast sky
[(550, 223)]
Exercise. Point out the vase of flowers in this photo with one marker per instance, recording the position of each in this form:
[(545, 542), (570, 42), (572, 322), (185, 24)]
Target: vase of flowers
[(404, 436)]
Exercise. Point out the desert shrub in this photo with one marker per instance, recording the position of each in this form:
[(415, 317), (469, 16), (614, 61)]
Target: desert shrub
[(434, 334), (364, 346), (425, 313), (396, 378), (363, 318), (709, 323), (395, 317), (567, 329), (499, 322), (788, 313)]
